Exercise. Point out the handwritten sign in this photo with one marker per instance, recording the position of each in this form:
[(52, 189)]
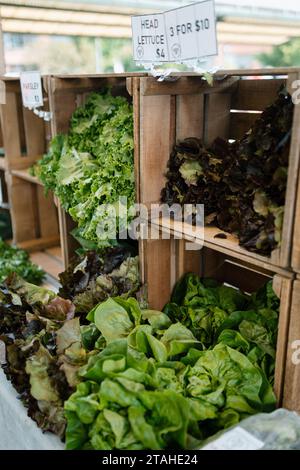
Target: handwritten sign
[(31, 87)]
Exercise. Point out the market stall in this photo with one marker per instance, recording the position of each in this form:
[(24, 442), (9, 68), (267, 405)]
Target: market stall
[(149, 345)]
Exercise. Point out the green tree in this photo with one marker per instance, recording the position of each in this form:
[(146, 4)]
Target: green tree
[(284, 55), (118, 51)]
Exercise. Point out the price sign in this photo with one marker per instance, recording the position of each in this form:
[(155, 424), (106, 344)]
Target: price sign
[(191, 31), (149, 38), (31, 87), (177, 35)]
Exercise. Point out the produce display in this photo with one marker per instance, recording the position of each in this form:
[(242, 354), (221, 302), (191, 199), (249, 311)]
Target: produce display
[(242, 184), (43, 333), (93, 165), (126, 377), (15, 260), (30, 317), (171, 379), (218, 313), (93, 363), (99, 275)]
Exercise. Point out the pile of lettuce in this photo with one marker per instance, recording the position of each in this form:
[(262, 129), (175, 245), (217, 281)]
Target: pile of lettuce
[(90, 167), (45, 336), (126, 377), (37, 364), (15, 260), (221, 314), (241, 184), (98, 275), (170, 379)]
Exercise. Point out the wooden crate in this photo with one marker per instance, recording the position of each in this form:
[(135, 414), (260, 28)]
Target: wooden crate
[(66, 93), (189, 107), (25, 139), (25, 136), (165, 261), (34, 216)]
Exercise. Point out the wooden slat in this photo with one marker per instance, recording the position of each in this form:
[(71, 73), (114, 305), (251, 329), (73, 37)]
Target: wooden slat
[(68, 243), (48, 217), (189, 123), (25, 175), (22, 199), (291, 395), (10, 129), (217, 117), (37, 244), (20, 110), (101, 75), (157, 272), (283, 288), (268, 71), (187, 260), (255, 95), (55, 252), (62, 108), (2, 163), (34, 133), (212, 262), (135, 90), (88, 83), (229, 245), (240, 123), (233, 272), (185, 85), (1, 136), (291, 214), (157, 138), (189, 116), (49, 264)]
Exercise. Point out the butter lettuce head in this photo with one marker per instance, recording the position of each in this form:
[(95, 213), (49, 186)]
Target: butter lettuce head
[(151, 385)]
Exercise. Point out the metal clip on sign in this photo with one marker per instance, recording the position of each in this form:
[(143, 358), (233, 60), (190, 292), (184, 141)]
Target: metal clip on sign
[(165, 75), (46, 115)]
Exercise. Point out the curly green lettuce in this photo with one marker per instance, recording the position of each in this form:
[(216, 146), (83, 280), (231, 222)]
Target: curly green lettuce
[(92, 166)]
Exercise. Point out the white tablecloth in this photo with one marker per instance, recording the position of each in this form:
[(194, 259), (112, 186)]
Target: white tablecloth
[(17, 430)]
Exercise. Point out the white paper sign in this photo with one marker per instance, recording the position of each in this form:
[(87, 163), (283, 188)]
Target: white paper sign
[(149, 38), (236, 439), (191, 31), (31, 87), (177, 35)]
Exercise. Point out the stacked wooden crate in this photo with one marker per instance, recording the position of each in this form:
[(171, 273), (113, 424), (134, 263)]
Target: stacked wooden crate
[(187, 106), (4, 206), (25, 139), (66, 93)]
